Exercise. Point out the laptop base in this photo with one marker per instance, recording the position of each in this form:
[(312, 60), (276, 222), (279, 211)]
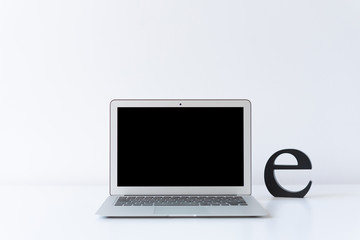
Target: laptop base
[(253, 209)]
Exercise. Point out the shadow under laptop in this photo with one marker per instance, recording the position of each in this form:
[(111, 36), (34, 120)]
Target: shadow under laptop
[(183, 227)]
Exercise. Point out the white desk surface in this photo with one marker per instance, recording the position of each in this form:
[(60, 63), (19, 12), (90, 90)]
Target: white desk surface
[(68, 212)]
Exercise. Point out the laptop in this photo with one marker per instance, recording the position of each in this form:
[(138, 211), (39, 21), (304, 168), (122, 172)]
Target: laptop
[(180, 158)]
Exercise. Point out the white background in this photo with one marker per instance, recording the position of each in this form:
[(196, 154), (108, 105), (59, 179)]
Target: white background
[(62, 61)]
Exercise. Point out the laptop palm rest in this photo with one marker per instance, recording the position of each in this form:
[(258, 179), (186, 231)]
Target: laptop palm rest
[(180, 210)]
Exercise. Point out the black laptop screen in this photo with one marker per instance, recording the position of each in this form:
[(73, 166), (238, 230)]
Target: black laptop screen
[(182, 146)]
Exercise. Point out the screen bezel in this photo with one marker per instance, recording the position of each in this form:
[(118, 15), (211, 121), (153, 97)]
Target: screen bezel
[(243, 190)]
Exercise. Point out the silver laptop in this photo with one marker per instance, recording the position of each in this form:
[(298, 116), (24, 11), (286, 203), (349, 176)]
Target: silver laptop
[(180, 158)]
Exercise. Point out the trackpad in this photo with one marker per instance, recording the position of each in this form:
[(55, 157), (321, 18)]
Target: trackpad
[(180, 211)]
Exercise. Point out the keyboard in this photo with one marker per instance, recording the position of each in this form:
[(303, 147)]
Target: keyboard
[(223, 200)]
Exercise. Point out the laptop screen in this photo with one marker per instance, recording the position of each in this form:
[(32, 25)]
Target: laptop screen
[(182, 146)]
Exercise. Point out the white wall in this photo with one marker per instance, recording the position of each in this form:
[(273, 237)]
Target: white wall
[(62, 61)]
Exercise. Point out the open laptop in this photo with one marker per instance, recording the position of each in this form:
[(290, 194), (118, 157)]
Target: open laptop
[(180, 158)]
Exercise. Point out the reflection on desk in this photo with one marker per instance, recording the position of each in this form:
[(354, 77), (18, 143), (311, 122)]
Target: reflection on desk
[(68, 212)]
